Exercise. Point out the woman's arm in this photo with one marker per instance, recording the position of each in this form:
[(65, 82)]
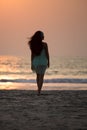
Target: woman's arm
[(47, 54), (32, 56)]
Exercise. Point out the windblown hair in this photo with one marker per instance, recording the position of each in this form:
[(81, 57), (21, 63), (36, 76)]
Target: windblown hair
[(35, 43)]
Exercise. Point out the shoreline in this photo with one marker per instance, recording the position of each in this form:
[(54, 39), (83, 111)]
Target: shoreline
[(54, 109), (46, 86)]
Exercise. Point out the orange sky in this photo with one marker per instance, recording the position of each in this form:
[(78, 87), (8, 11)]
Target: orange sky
[(64, 23)]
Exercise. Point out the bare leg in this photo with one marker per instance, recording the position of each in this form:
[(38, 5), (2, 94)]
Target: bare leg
[(39, 82)]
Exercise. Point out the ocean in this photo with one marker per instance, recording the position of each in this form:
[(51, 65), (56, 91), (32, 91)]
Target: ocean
[(65, 73)]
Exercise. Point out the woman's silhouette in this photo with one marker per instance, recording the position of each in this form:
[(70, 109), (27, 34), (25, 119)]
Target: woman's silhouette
[(39, 57)]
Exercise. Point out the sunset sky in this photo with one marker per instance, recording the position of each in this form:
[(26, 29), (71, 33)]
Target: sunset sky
[(64, 23)]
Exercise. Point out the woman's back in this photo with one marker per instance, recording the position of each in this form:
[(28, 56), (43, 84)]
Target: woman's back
[(40, 59)]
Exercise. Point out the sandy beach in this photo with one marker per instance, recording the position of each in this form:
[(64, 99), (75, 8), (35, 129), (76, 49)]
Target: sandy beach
[(53, 110)]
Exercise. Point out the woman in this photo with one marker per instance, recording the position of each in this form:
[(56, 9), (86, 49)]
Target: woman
[(39, 57)]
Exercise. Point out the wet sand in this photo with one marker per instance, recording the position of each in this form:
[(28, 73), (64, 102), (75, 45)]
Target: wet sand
[(53, 110)]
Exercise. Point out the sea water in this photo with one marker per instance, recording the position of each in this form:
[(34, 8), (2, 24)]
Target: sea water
[(65, 73)]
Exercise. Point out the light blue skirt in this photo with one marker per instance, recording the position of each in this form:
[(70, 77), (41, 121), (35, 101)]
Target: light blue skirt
[(40, 69), (40, 63)]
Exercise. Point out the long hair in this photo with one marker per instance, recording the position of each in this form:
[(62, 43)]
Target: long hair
[(35, 43)]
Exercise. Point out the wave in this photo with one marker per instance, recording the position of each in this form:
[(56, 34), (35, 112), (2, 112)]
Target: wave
[(53, 80)]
